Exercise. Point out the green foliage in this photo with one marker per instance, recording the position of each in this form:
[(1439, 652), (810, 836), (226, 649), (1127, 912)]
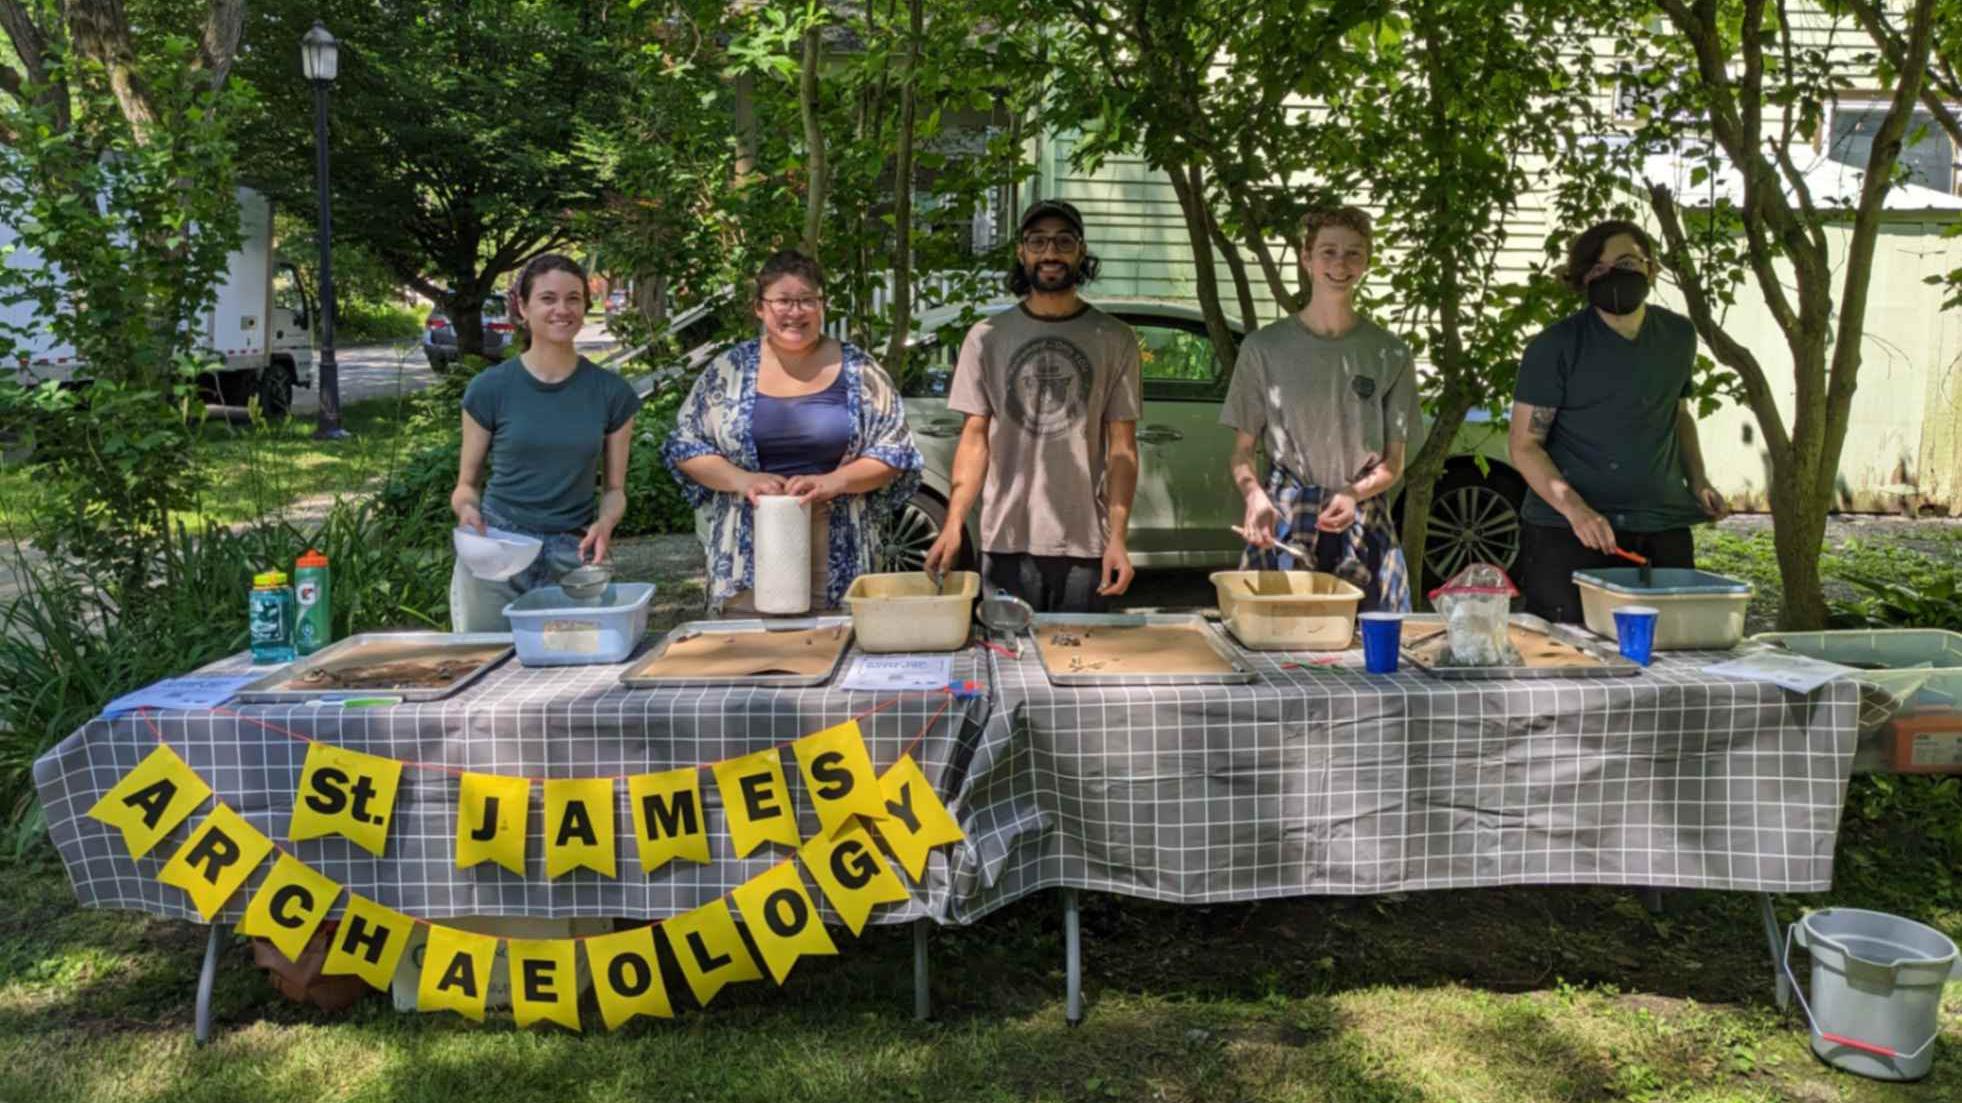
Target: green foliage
[(132, 224), (461, 134), (68, 646)]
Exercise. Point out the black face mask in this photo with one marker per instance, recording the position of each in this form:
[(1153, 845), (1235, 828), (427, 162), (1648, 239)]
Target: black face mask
[(1618, 291)]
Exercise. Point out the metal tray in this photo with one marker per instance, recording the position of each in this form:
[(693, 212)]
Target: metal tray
[(1612, 664), (1240, 674), (375, 647), (635, 678)]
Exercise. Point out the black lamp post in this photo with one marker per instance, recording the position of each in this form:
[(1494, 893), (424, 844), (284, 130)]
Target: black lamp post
[(320, 61)]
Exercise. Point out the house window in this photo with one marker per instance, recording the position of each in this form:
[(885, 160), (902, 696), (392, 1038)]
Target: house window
[(1930, 162)]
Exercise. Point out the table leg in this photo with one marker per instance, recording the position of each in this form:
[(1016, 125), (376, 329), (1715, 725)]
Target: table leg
[(1651, 899), (922, 1002), (1072, 961), (1776, 939), (207, 976)]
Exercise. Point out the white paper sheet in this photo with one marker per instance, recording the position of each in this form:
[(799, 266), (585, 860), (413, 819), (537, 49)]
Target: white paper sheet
[(899, 673), (1798, 673), (196, 691)]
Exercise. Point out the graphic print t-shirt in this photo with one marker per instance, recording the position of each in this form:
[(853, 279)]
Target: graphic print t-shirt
[(1050, 385)]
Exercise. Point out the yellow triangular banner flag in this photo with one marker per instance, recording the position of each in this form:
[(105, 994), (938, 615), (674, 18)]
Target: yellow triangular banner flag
[(368, 943), (544, 981), (216, 859), (627, 976), (782, 919), (756, 801), (852, 873), (710, 949), (668, 819), (838, 775), (456, 972), (151, 800), (289, 906), (346, 793), (916, 821), (579, 825), (492, 816)]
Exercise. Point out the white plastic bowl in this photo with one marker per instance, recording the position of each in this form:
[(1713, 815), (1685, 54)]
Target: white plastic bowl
[(496, 556)]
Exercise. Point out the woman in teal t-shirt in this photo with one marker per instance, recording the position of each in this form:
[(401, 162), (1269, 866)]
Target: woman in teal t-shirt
[(544, 419)]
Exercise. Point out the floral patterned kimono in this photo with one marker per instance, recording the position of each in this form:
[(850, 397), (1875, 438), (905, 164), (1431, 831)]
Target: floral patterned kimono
[(715, 420)]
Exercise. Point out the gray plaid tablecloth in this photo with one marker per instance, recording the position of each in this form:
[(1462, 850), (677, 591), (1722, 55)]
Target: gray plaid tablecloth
[(1323, 780), (571, 721)]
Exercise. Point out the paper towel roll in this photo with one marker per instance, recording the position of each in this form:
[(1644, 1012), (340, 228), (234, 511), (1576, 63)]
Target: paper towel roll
[(783, 555)]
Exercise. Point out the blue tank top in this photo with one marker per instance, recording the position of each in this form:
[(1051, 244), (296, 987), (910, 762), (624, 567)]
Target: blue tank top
[(805, 435)]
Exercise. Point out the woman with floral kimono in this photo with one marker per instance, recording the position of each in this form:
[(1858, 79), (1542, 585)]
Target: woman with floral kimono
[(792, 412)]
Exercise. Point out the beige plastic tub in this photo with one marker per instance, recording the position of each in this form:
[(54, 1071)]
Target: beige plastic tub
[(900, 612), (1288, 610), (1696, 610)]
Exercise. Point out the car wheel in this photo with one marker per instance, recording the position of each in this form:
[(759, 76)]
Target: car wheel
[(438, 364), (276, 390), (1474, 519), (910, 533)]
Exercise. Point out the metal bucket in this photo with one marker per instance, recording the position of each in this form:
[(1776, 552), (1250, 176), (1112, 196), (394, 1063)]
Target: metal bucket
[(1876, 990)]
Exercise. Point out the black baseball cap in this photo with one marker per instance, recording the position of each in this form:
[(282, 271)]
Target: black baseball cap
[(1047, 208)]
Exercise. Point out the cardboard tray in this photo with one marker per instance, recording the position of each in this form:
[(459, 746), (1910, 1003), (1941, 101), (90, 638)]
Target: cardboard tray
[(370, 648), (1209, 647), (1609, 663), (806, 651)]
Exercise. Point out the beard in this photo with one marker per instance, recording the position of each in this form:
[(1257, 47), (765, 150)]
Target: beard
[(1044, 277)]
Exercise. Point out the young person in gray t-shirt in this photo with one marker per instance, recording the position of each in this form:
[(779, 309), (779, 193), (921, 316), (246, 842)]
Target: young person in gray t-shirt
[(1051, 390), (1332, 397), (544, 420)]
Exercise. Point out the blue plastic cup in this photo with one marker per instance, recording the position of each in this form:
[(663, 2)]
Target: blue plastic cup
[(1635, 631), (1382, 633)]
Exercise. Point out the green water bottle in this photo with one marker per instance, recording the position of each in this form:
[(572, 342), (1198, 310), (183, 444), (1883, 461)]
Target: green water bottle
[(312, 592), (271, 618)]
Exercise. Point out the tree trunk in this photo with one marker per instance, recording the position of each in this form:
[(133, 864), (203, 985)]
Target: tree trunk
[(651, 298), (818, 173), (902, 205), (1237, 268), (1190, 187), (745, 126), (1420, 475), (466, 313), (1798, 535)]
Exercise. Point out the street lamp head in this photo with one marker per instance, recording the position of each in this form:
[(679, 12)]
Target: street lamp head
[(319, 53)]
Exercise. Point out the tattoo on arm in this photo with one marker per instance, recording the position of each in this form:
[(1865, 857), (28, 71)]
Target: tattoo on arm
[(1541, 423)]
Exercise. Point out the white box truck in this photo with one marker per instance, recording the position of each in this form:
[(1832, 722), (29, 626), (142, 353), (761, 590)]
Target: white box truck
[(265, 345)]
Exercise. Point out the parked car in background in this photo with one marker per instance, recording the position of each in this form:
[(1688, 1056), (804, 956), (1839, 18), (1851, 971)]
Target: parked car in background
[(1186, 505), (439, 336)]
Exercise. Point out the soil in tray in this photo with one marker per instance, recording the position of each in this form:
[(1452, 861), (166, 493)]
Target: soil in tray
[(436, 668), (1430, 647), (1128, 649), (806, 652)]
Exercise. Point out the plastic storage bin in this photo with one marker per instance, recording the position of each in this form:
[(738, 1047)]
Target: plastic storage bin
[(1910, 689), (551, 629), (1288, 610), (900, 612), (1699, 610)]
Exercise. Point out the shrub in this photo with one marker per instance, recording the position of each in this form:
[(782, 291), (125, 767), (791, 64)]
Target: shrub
[(67, 647)]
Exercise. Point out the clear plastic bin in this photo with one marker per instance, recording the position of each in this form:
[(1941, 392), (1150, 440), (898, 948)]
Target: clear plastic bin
[(901, 612), (551, 629), (1288, 610), (1698, 610)]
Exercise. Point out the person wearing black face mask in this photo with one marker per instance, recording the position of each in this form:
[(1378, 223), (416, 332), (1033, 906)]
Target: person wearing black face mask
[(1602, 429)]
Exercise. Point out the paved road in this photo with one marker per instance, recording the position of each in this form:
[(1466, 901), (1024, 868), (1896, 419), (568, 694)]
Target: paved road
[(399, 368)]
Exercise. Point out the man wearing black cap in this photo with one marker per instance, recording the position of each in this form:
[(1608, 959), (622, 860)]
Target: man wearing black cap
[(1051, 391)]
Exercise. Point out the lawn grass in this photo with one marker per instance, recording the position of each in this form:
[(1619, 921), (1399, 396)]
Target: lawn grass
[(1481, 995), (259, 468)]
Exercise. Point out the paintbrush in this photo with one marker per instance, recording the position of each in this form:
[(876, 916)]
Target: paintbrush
[(1647, 574)]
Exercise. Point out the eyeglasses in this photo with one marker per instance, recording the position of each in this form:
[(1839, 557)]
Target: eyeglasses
[(793, 306), (1039, 244), (1626, 263)]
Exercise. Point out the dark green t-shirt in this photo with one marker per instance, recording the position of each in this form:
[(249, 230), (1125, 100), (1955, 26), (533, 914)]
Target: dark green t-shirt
[(547, 440), (1614, 436)]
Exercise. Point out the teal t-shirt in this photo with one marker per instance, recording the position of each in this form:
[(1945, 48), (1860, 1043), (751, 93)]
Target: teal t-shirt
[(547, 440), (1614, 436)]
